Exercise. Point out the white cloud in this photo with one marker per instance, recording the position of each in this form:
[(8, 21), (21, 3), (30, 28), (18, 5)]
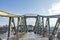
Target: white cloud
[(42, 12), (55, 9), (53, 22), (31, 21)]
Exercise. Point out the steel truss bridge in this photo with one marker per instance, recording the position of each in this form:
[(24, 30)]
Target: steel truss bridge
[(39, 25)]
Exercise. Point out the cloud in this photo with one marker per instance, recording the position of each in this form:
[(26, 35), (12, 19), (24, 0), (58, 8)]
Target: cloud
[(53, 22), (31, 21), (55, 9), (42, 11)]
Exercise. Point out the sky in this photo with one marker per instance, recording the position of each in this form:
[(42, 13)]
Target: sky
[(24, 7)]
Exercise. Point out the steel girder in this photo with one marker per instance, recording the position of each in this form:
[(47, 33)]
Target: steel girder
[(11, 27), (22, 24), (7, 14), (47, 27), (18, 24), (56, 27), (38, 25)]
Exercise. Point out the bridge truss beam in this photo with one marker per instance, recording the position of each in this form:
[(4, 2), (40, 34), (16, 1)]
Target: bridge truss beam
[(56, 27), (11, 26), (46, 28)]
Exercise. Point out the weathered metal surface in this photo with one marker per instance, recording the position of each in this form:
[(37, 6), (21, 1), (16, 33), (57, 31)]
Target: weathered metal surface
[(56, 27), (47, 27), (7, 14), (22, 21)]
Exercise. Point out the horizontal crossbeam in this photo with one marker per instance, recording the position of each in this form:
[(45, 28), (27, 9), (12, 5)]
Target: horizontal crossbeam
[(6, 14)]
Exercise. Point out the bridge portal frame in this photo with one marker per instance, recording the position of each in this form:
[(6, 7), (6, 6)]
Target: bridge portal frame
[(11, 16)]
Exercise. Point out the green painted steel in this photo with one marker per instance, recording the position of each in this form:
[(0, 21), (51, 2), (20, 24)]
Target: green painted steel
[(13, 25), (9, 28), (38, 25), (17, 24), (42, 24), (25, 24), (47, 27), (56, 27), (22, 26)]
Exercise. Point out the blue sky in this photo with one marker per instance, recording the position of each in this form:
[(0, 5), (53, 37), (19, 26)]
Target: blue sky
[(42, 7), (26, 6)]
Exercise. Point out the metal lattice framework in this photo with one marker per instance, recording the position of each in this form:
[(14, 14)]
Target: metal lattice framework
[(56, 27), (21, 22)]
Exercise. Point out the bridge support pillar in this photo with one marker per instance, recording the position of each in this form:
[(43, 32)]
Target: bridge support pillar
[(47, 28), (56, 27), (11, 27), (22, 24)]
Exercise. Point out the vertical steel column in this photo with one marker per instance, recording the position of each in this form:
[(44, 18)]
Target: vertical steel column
[(48, 25), (45, 28), (56, 27), (9, 28), (18, 24), (42, 26), (39, 25), (17, 27), (25, 23), (12, 20), (22, 24), (37, 28), (42, 23), (36, 25), (38, 20)]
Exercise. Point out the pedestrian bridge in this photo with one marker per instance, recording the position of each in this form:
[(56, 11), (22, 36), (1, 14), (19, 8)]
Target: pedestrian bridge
[(40, 32)]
